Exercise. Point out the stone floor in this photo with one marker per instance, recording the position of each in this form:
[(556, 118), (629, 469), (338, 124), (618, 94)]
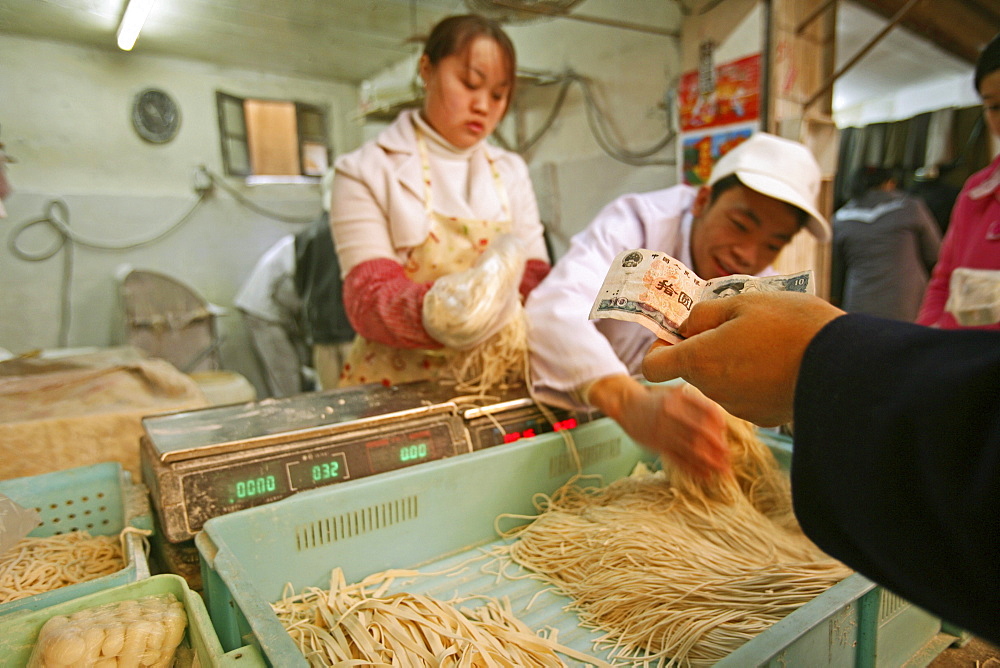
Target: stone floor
[(974, 654)]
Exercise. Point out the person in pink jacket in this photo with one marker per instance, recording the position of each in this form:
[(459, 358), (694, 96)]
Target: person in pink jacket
[(973, 237)]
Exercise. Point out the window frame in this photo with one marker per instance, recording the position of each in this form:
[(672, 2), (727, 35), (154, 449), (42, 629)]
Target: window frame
[(241, 134)]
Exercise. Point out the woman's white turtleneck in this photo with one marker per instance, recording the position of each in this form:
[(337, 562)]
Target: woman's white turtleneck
[(451, 170), (378, 203)]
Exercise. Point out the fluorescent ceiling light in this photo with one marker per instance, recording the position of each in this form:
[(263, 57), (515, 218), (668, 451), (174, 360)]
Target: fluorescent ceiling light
[(135, 15)]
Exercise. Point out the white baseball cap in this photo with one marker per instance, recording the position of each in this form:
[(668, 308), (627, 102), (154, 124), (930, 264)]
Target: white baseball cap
[(780, 168)]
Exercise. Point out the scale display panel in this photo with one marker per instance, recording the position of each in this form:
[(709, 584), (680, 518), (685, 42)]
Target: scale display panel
[(209, 462), (192, 434), (209, 491)]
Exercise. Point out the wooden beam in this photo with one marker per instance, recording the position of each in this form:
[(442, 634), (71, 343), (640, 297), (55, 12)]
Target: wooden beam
[(828, 84), (960, 27)]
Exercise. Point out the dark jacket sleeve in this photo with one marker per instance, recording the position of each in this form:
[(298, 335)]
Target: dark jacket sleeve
[(318, 284), (896, 463)]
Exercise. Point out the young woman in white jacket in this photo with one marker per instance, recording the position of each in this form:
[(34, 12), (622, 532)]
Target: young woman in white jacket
[(425, 200)]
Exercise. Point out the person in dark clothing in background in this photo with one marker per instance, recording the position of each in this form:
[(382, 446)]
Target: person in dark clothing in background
[(885, 244), (317, 282), (272, 312), (939, 195)]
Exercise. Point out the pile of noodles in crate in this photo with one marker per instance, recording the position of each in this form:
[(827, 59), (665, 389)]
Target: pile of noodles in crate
[(673, 570)]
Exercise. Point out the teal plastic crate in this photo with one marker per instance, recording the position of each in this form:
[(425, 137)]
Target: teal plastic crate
[(100, 499), (19, 631), (438, 515)]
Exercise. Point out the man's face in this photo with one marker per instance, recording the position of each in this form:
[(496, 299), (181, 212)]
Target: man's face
[(742, 232)]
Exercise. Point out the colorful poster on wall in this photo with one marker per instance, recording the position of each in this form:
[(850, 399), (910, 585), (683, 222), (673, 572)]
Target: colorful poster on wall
[(701, 151), (735, 98)]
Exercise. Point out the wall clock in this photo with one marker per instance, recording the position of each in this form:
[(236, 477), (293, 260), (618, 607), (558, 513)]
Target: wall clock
[(155, 116)]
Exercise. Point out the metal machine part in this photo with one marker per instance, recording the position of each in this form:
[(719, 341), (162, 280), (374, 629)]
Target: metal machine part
[(204, 463)]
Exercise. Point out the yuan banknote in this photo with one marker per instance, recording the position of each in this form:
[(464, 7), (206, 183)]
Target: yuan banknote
[(657, 291)]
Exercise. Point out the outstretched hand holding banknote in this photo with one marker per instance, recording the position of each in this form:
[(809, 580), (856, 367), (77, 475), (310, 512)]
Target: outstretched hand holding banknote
[(658, 292), (745, 352)]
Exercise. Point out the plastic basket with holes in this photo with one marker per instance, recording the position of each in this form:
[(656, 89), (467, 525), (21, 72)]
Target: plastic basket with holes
[(100, 499), (437, 516)]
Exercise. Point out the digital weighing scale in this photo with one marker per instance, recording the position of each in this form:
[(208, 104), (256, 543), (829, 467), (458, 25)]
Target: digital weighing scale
[(203, 463)]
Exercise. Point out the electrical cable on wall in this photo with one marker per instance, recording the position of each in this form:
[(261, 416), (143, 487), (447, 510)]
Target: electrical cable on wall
[(56, 217), (256, 208), (597, 121), (62, 228), (595, 118), (59, 225)]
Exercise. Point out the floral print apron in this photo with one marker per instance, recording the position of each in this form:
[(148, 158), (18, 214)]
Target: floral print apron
[(452, 245)]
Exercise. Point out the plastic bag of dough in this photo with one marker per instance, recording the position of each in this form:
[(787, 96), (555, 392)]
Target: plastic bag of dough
[(464, 309), (974, 296), (127, 634), (16, 522)]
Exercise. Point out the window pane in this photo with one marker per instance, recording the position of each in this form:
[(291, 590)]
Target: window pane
[(277, 138), (311, 124), (239, 161), (314, 159), (232, 116), (272, 137)]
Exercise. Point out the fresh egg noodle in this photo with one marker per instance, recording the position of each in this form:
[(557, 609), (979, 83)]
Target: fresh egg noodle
[(37, 565), (363, 624), (677, 571), (497, 363)]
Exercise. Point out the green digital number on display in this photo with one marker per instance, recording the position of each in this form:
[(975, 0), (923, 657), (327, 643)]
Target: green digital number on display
[(246, 489), (409, 453), (325, 471)]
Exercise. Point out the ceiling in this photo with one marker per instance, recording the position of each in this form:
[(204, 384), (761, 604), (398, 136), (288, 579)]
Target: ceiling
[(959, 27), (934, 40), (351, 40), (345, 40)]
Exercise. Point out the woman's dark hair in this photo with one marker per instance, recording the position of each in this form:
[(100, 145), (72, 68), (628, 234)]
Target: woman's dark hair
[(451, 35), (866, 178), (988, 62)]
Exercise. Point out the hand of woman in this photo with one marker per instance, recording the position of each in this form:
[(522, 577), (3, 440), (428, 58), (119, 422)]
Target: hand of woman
[(464, 309)]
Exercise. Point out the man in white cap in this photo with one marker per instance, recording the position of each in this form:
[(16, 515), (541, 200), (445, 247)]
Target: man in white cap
[(759, 195)]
